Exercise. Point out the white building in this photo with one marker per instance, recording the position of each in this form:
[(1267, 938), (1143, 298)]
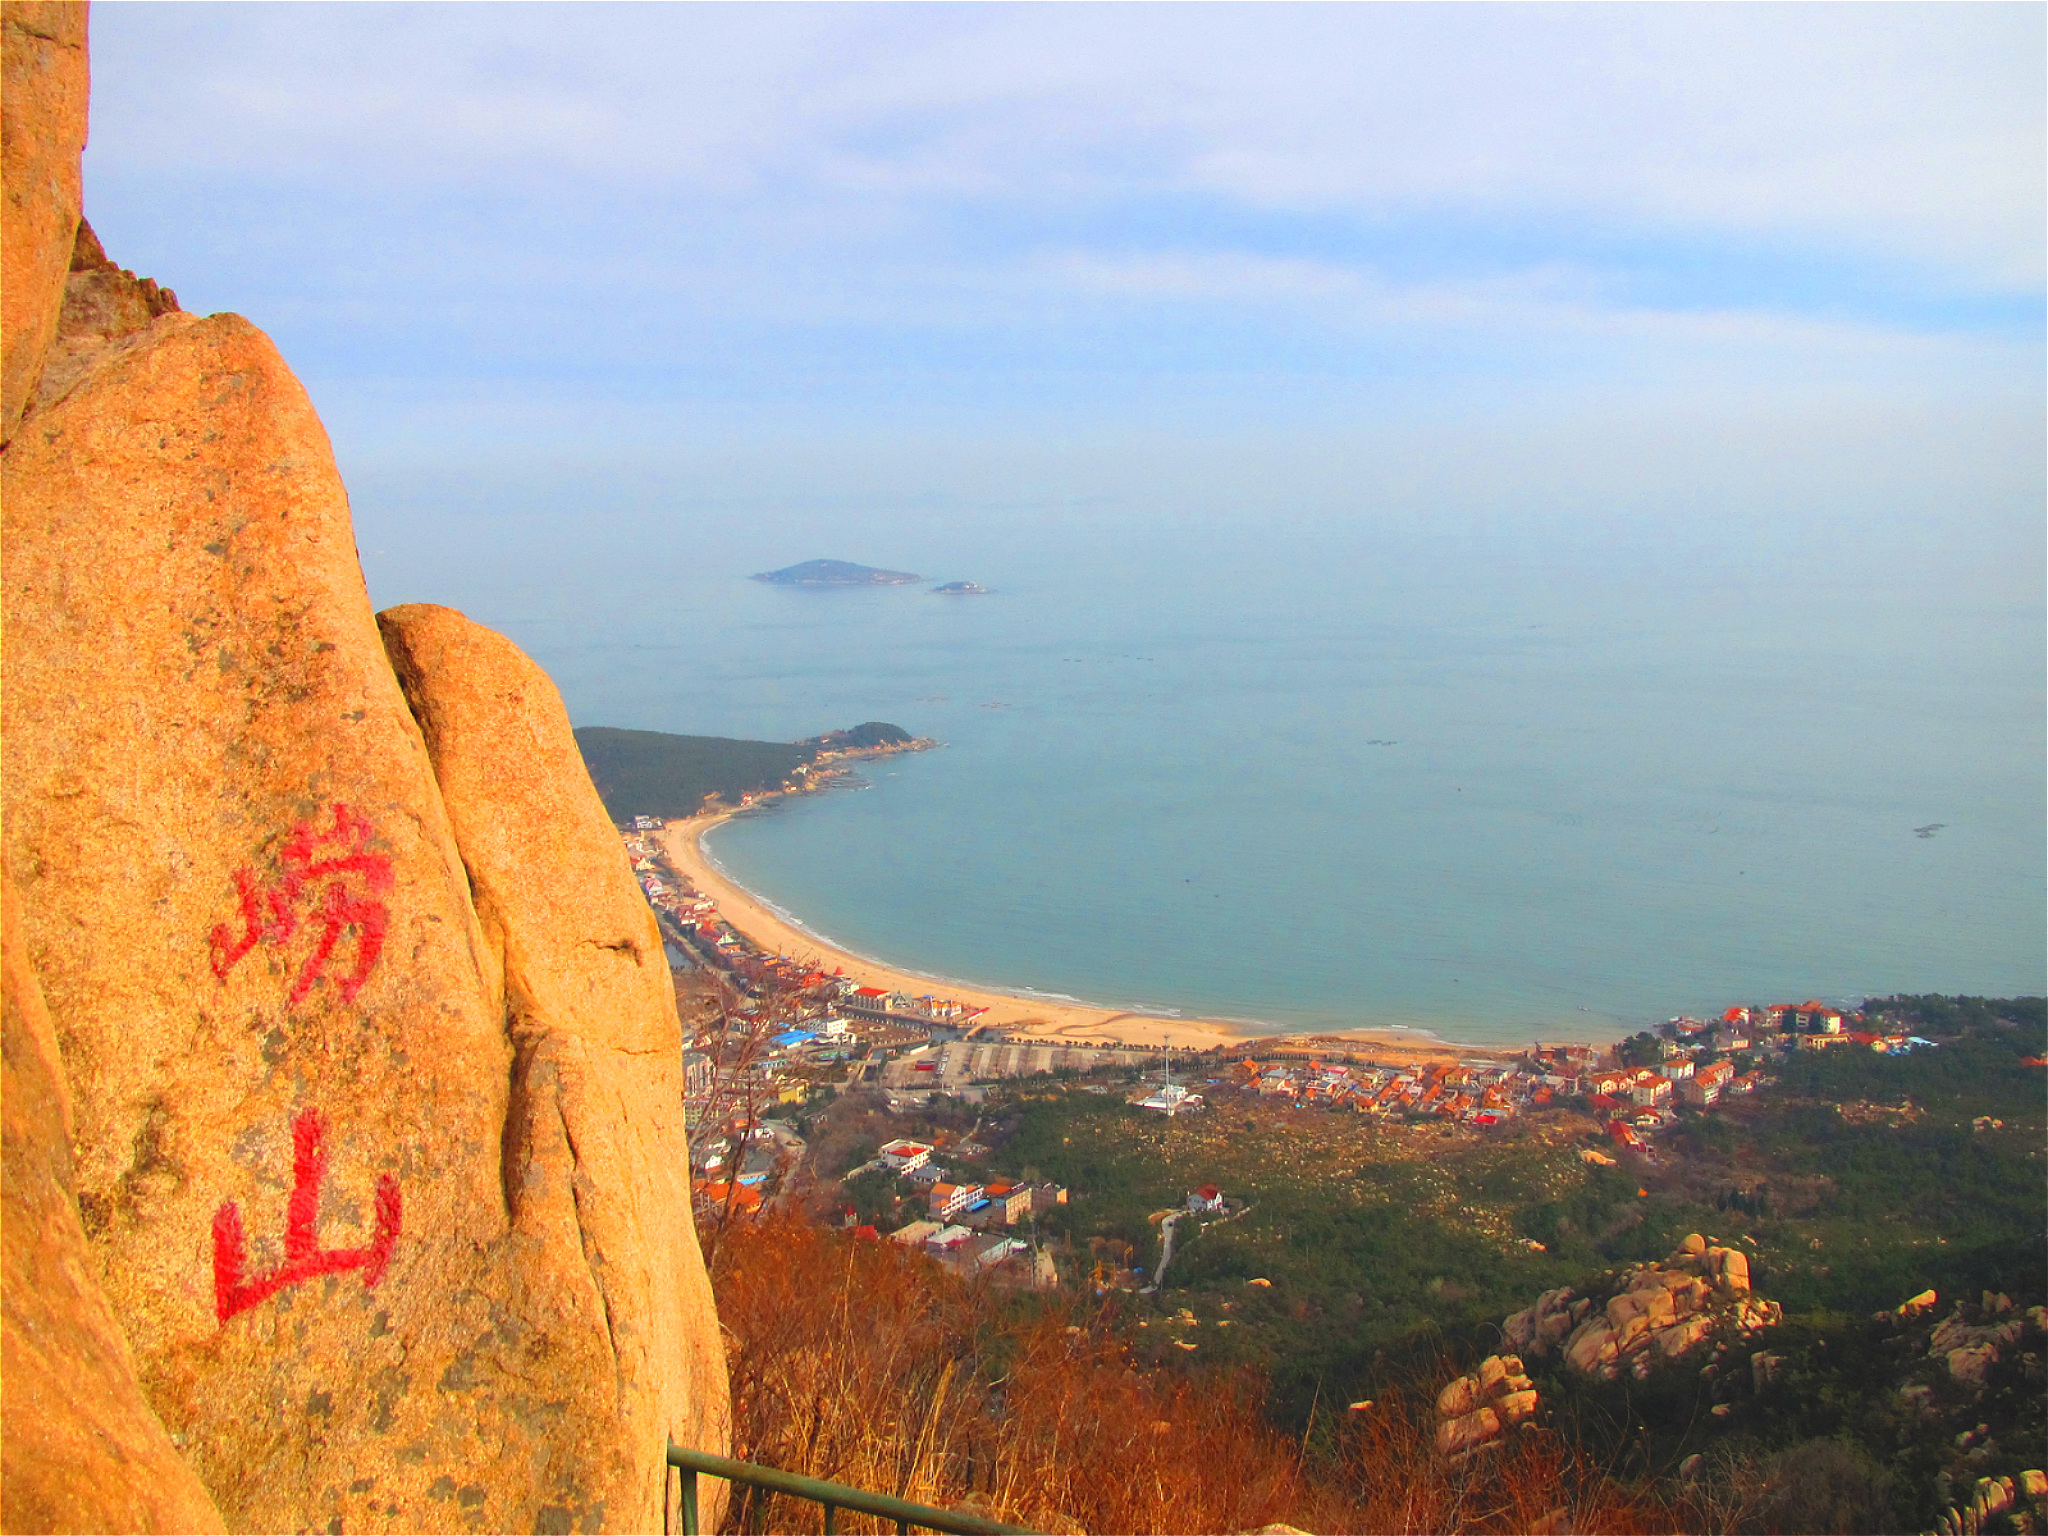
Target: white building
[(903, 1155), (947, 1199), (1170, 1098)]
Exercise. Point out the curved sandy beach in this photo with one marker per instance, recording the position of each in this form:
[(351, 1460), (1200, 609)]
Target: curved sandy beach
[(1036, 1018)]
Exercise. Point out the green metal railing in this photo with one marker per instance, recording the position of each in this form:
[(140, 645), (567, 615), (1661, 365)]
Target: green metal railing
[(834, 1496)]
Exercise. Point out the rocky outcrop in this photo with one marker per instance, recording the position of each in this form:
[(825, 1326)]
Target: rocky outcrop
[(1973, 1339), (1473, 1411), (42, 135), (1645, 1316), (83, 1451), (1540, 1328), (103, 305), (2024, 1506), (374, 1151), (1915, 1306)]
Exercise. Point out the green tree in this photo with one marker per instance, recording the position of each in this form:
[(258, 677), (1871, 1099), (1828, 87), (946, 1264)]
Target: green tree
[(1640, 1050)]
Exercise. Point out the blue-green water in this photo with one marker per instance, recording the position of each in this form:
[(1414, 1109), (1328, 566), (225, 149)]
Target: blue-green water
[(1314, 781)]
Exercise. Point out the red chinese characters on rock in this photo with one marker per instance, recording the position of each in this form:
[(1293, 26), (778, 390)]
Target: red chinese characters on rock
[(353, 877), (304, 1258)]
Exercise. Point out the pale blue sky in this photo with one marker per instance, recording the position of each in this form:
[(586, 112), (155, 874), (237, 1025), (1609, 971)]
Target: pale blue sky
[(583, 264)]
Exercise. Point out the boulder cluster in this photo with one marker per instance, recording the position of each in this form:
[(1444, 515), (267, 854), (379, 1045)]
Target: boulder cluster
[(1650, 1314), (1473, 1411), (2023, 1503), (1964, 1345), (1969, 1349), (346, 1184)]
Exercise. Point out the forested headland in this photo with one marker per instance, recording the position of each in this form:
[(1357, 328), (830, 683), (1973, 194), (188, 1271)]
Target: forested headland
[(656, 773)]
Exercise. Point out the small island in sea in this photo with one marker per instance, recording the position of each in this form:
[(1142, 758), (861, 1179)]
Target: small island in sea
[(962, 589), (835, 573)]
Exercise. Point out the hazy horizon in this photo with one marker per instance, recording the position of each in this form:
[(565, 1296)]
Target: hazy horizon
[(1709, 336), (839, 279)]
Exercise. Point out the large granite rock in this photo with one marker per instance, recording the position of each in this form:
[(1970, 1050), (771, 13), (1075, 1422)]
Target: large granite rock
[(332, 1192), (82, 1451), (1653, 1313), (42, 134), (597, 1078)]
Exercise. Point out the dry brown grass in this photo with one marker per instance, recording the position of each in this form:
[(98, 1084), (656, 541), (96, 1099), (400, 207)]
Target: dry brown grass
[(868, 1365), (1534, 1480)]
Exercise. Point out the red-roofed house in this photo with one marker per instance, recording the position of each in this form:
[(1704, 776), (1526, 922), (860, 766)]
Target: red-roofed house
[(1708, 1084), (902, 1156), (716, 1199), (1650, 1089)]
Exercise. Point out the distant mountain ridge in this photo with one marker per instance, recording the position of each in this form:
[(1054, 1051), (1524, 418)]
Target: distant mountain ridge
[(835, 573)]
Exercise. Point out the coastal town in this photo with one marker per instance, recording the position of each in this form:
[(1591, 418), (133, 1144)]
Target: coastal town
[(1328, 1209), (774, 1033)]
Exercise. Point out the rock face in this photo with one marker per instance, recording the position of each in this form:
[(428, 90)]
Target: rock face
[(42, 135), (83, 1451), (597, 1074), (380, 1185)]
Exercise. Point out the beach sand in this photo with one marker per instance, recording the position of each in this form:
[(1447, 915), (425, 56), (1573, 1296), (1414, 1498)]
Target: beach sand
[(1022, 1017)]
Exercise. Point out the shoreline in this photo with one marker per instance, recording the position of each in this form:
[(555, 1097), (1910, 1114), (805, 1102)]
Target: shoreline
[(1017, 1014)]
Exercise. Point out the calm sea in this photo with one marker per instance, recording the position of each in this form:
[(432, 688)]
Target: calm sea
[(1321, 778)]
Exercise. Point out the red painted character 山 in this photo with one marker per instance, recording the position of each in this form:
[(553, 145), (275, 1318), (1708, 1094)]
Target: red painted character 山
[(304, 1258), (354, 876)]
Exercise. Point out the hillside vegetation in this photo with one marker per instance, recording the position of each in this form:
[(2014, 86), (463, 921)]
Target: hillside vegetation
[(1367, 1261), (869, 1365), (655, 773)]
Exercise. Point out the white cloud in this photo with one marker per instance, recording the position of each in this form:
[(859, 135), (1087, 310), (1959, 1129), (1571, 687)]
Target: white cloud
[(1227, 276), (1908, 132), (1546, 303)]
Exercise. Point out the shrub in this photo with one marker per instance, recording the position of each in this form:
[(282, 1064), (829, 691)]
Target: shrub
[(870, 1365), (1824, 1488)]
